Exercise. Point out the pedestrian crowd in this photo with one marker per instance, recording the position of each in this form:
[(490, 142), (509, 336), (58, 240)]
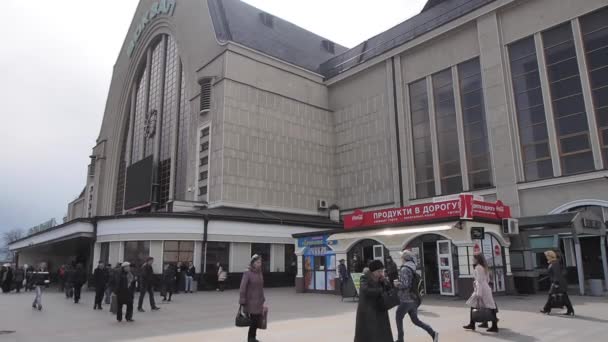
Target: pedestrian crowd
[(382, 288)]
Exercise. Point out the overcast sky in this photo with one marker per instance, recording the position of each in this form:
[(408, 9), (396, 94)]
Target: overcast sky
[(55, 68)]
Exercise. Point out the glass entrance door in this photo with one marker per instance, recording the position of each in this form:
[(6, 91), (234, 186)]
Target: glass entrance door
[(446, 271)]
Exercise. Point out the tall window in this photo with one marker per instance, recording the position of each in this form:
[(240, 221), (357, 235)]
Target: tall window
[(447, 133), (594, 27), (421, 132), (262, 249), (567, 98), (203, 168), (218, 252), (136, 252), (530, 110), (178, 251), (104, 252), (474, 120)]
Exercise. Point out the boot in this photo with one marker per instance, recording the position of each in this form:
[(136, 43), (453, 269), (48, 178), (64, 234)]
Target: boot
[(494, 327)]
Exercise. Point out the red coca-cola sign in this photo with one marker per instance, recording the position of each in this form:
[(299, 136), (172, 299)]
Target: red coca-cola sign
[(463, 207)]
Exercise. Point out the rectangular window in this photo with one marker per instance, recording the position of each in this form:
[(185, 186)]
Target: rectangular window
[(203, 175), (202, 190), (447, 133), (104, 252), (530, 110), (178, 251), (263, 250), (594, 27), (205, 132), (204, 161), (571, 125), (205, 146), (218, 252), (136, 252), (474, 122), (205, 103), (421, 135)]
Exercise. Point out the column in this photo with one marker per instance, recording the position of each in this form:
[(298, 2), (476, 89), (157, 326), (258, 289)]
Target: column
[(579, 266), (604, 260)]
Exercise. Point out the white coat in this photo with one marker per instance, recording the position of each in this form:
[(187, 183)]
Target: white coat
[(482, 295)]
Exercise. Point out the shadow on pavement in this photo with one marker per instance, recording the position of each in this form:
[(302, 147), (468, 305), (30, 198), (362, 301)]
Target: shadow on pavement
[(585, 318), (510, 335)]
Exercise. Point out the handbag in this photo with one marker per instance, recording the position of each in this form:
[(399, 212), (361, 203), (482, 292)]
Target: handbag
[(114, 304), (556, 301), (482, 315), (263, 323), (242, 318), (389, 299)]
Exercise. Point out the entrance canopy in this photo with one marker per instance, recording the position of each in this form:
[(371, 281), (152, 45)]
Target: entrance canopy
[(66, 231)]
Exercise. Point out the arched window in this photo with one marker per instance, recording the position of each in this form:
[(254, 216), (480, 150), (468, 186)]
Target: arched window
[(160, 118)]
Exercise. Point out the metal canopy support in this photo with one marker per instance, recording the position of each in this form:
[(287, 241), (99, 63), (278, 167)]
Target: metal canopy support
[(604, 260), (579, 266)]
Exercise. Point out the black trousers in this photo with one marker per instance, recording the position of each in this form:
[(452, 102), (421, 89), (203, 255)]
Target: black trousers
[(77, 288), (142, 294), (99, 293), (129, 314), (567, 301), (221, 285), (253, 328)]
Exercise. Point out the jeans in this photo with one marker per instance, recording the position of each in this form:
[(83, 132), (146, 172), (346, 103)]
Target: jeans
[(142, 294), (189, 283), (412, 310), (38, 298), (129, 315), (253, 328)]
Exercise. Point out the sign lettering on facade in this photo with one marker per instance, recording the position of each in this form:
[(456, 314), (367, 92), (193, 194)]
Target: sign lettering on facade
[(464, 207), (162, 7)]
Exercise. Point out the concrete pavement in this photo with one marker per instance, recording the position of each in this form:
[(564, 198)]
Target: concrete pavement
[(210, 316)]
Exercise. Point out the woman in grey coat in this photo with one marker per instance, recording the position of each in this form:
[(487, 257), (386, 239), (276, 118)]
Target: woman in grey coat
[(252, 295), (558, 283)]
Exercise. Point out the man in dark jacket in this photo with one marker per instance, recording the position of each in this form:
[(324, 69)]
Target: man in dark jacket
[(408, 303), (100, 277), (146, 285), (373, 324), (18, 278), (124, 288), (6, 279), (344, 276), (79, 279), (69, 281), (168, 282)]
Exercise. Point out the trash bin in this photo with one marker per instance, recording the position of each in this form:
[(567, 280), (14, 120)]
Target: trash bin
[(596, 287)]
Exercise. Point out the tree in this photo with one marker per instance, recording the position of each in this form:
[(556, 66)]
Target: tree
[(7, 238)]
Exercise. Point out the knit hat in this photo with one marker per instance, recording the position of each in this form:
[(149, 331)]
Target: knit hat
[(376, 265), (408, 255)]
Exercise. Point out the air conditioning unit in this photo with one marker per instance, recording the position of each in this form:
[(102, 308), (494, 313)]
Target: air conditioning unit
[(510, 227), (322, 204)]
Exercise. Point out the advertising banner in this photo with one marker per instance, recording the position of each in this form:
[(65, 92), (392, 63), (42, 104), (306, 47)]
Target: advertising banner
[(465, 206)]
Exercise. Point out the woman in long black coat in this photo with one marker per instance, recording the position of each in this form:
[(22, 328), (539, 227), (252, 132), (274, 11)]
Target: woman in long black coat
[(558, 283), (373, 324)]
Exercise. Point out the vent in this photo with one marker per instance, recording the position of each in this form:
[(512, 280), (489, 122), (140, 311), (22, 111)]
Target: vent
[(267, 19), (205, 95), (328, 46)]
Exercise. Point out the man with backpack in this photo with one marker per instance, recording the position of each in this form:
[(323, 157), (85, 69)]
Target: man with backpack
[(409, 296)]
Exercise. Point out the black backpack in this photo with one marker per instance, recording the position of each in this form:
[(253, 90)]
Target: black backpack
[(415, 289)]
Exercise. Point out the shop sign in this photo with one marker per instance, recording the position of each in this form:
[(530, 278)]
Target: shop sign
[(464, 207), (162, 7), (312, 241), (477, 233)]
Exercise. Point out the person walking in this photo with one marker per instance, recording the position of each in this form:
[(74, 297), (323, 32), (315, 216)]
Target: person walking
[(146, 285), (168, 282), (7, 278), (409, 297), (39, 279), (78, 280), (344, 276), (482, 297), (61, 278), (373, 324), (559, 286), (252, 295), (69, 282), (124, 288), (190, 273), (18, 278), (222, 275), (100, 278)]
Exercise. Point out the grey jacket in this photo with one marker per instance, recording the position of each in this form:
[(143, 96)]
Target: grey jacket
[(406, 275)]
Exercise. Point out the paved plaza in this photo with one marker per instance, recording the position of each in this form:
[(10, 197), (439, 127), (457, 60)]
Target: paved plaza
[(209, 316)]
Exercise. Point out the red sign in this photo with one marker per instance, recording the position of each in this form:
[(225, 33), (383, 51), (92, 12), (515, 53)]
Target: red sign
[(464, 207)]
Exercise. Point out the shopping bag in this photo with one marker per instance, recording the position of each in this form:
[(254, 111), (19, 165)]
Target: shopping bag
[(557, 301), (263, 323), (482, 315), (242, 318), (389, 299), (114, 304)]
